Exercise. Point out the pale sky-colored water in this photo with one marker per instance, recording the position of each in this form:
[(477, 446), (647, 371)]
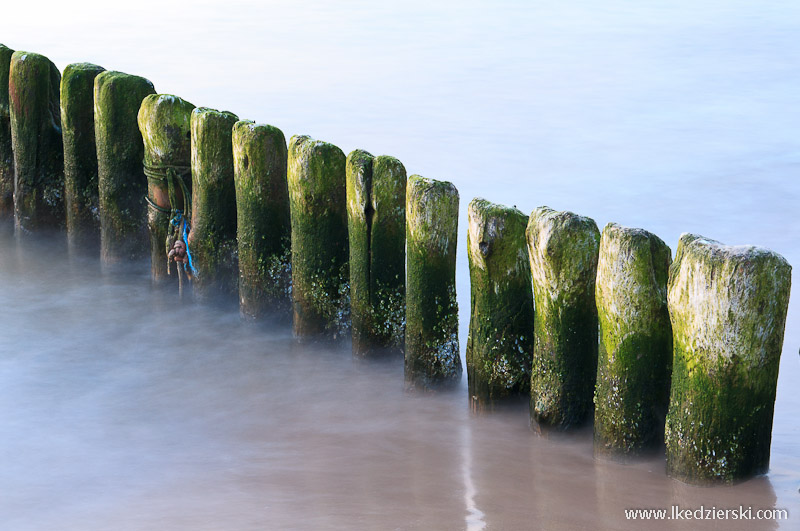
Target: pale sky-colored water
[(670, 116)]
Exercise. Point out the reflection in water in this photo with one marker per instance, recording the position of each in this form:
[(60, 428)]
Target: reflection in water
[(474, 518)]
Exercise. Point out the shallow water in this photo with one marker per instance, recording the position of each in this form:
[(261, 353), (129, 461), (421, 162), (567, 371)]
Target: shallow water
[(124, 409)]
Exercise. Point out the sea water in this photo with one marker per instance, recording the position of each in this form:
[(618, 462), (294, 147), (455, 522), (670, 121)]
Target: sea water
[(127, 408)]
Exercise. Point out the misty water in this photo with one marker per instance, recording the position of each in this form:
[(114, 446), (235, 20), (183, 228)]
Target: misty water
[(125, 408)]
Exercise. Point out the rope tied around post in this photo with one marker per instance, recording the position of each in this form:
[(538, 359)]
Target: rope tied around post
[(179, 218)]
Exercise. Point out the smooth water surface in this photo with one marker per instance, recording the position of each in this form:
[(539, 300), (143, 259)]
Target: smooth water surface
[(124, 408)]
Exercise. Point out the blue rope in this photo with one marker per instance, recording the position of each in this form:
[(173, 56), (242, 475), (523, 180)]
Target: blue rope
[(188, 254)]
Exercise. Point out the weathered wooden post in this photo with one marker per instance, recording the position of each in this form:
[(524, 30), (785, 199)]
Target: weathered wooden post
[(728, 309), (563, 251), (6, 150), (33, 84), (80, 156), (212, 240), (431, 350), (264, 224), (500, 343), (164, 123), (121, 181), (635, 351), (320, 274), (376, 195)]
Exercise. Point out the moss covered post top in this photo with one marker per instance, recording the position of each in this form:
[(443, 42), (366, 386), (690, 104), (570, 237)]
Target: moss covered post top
[(261, 148), (631, 261), (164, 121), (245, 129), (313, 173), (260, 156), (127, 88), (359, 183), (563, 248), (389, 186), (719, 295), (77, 85), (75, 73), (431, 207), (488, 223), (212, 147), (29, 65), (22, 57)]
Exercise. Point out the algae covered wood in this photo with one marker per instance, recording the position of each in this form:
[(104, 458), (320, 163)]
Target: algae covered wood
[(121, 181), (264, 223), (80, 156), (635, 349), (727, 305), (212, 240), (432, 358), (500, 343), (563, 250), (376, 194), (33, 85), (164, 123), (318, 203), (6, 150)]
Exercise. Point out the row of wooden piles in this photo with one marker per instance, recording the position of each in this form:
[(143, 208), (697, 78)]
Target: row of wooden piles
[(587, 325)]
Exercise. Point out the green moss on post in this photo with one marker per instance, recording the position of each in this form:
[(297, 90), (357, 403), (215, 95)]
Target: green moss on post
[(728, 309), (80, 156), (635, 351), (264, 224), (212, 240), (431, 350), (33, 85), (164, 123), (121, 181), (500, 343), (317, 197), (376, 190), (563, 250), (6, 150)]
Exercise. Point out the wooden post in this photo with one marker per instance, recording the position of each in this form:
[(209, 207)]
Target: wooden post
[(121, 181), (563, 250), (6, 150), (33, 85), (500, 344), (80, 156), (728, 309), (376, 194), (635, 350), (164, 122), (320, 274), (432, 358), (212, 240), (264, 223)]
